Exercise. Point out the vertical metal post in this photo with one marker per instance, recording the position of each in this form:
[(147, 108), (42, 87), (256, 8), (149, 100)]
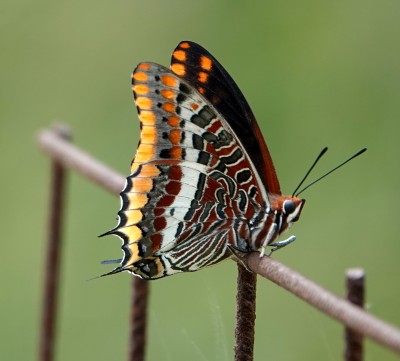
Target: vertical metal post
[(355, 287), (245, 314), (53, 256), (137, 339)]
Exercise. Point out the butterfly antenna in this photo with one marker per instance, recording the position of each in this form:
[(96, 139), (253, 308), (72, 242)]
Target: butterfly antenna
[(323, 151), (332, 170)]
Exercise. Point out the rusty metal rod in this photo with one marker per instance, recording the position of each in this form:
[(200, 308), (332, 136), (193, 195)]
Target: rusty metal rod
[(53, 254), (355, 281), (137, 336), (245, 314), (72, 157), (267, 267), (332, 305)]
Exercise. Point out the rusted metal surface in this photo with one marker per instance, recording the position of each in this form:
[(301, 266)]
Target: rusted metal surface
[(138, 327), (355, 287), (245, 314), (53, 255)]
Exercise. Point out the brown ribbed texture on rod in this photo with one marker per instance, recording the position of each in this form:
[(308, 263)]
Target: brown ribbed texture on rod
[(137, 341), (245, 314), (53, 255), (355, 287)]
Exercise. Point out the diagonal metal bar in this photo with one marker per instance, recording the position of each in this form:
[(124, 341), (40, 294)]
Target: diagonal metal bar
[(72, 157), (355, 281), (267, 267), (332, 305), (53, 255)]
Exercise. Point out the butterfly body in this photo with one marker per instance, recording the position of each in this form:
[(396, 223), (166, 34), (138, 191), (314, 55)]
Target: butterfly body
[(202, 182)]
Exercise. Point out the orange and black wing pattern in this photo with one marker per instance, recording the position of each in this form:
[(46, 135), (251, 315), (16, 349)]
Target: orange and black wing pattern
[(196, 65), (202, 179)]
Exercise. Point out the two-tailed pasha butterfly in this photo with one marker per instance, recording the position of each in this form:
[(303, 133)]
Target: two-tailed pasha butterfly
[(203, 187)]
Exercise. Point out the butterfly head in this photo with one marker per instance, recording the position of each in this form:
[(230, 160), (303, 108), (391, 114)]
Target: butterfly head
[(288, 208)]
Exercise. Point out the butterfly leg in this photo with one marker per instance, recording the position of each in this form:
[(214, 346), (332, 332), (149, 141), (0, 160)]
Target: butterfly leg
[(280, 244), (270, 236), (238, 255)]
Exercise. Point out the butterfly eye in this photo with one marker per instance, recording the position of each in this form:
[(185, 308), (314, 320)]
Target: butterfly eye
[(289, 206)]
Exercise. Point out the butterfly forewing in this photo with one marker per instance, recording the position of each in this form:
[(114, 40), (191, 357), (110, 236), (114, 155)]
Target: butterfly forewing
[(195, 64)]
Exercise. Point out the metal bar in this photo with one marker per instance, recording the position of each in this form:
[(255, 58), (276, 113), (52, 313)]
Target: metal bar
[(267, 267), (245, 314), (53, 256), (332, 305), (137, 340), (355, 286), (72, 157)]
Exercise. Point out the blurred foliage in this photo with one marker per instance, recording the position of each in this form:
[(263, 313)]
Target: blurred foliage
[(315, 72)]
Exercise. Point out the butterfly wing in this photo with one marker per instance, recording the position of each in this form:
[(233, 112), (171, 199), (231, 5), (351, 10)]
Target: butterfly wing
[(193, 187), (196, 65)]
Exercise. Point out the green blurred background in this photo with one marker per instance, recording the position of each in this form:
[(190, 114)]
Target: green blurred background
[(316, 73)]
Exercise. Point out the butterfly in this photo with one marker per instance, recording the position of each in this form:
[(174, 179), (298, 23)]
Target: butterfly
[(203, 187)]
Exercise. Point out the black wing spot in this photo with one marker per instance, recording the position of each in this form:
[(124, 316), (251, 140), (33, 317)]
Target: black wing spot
[(165, 153), (198, 142), (243, 176), (184, 88), (181, 98)]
